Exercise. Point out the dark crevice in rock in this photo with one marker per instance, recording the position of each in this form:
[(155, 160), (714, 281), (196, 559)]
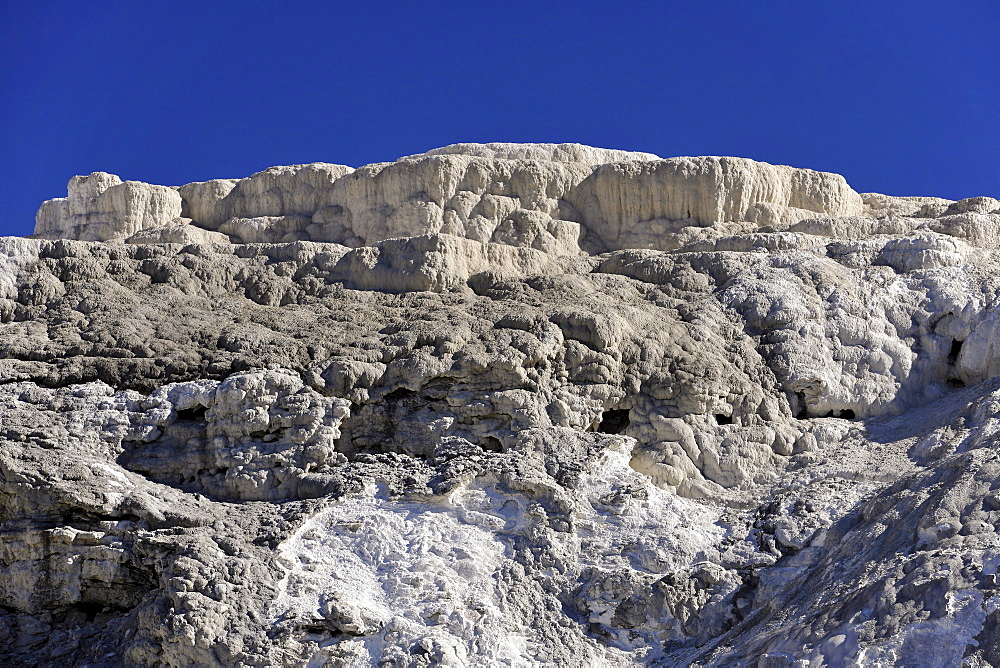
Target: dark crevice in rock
[(721, 418), (744, 596), (491, 444), (80, 519), (89, 609), (846, 414), (956, 350), (803, 412), (613, 421), (399, 394), (192, 414)]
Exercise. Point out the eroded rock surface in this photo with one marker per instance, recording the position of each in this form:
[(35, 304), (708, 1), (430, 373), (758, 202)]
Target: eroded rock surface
[(501, 404)]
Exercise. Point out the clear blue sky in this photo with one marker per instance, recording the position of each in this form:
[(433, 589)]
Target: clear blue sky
[(900, 97)]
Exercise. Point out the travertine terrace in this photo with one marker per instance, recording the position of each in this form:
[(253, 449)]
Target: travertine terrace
[(501, 405)]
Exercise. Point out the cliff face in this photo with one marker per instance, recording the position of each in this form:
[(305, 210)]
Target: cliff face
[(544, 196), (501, 405)]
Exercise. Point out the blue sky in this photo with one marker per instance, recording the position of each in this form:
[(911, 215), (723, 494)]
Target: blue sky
[(899, 97)]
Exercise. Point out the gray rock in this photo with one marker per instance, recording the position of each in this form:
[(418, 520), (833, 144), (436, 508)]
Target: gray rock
[(501, 404)]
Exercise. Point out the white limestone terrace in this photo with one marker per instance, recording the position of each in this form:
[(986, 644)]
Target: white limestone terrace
[(558, 198)]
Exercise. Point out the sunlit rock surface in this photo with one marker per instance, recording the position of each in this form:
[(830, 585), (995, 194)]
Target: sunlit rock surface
[(501, 404)]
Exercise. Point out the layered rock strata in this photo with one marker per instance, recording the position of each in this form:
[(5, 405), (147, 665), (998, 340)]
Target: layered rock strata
[(501, 405), (554, 198)]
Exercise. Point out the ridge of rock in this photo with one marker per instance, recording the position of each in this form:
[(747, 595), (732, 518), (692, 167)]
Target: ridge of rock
[(557, 198), (548, 152)]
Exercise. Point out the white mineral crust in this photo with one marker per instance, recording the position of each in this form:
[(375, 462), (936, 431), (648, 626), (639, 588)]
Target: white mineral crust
[(501, 405)]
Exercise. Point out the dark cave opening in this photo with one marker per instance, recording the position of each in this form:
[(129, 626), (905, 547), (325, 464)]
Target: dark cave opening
[(721, 418), (399, 394), (192, 414), (953, 353), (956, 349), (491, 444), (613, 421), (803, 412), (846, 414), (90, 609)]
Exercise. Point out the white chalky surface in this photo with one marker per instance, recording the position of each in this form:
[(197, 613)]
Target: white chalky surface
[(429, 570)]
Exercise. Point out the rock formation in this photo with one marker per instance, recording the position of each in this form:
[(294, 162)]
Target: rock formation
[(501, 404)]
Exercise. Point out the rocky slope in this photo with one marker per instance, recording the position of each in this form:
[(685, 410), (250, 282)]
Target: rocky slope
[(501, 405)]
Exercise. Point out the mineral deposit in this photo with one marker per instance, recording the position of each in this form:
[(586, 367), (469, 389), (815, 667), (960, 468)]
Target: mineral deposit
[(501, 405)]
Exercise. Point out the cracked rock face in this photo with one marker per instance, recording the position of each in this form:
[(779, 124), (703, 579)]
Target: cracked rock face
[(501, 404)]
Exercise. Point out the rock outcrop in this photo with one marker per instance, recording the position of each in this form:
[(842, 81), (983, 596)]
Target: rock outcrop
[(554, 198), (501, 404), (101, 207)]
